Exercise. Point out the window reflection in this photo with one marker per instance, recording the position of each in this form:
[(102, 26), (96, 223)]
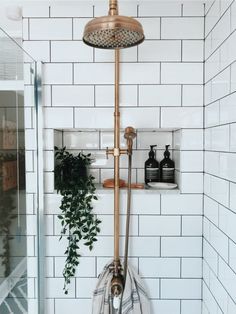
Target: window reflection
[(12, 186)]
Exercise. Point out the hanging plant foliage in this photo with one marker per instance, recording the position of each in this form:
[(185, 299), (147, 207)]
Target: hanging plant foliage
[(7, 208), (79, 224)]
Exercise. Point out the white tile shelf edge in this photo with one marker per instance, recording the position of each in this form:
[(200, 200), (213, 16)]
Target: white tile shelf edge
[(146, 191), (122, 129)]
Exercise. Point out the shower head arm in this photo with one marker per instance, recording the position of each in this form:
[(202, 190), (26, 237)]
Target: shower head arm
[(113, 7)]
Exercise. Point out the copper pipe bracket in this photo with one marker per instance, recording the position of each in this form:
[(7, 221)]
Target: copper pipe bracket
[(109, 152), (115, 152), (123, 151)]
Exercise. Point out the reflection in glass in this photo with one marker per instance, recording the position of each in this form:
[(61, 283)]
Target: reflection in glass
[(13, 233)]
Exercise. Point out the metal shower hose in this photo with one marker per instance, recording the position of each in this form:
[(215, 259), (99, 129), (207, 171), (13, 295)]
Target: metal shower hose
[(126, 252)]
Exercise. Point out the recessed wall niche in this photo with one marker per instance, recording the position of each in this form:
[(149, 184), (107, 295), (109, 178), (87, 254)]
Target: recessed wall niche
[(95, 141)]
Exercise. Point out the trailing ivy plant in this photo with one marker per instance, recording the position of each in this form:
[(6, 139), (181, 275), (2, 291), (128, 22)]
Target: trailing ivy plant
[(79, 224)]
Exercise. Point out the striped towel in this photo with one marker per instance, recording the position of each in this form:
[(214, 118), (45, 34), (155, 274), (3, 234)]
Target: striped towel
[(135, 299)]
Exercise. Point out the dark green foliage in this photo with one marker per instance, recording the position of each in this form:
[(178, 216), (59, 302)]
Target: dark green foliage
[(79, 224), (7, 215)]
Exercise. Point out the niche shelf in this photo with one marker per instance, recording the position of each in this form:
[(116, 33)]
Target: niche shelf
[(95, 141)]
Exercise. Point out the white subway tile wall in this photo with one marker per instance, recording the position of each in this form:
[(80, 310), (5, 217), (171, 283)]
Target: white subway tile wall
[(219, 273), (158, 90)]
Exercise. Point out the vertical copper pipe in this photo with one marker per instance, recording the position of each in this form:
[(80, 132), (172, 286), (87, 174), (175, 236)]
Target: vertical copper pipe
[(113, 7), (117, 161)]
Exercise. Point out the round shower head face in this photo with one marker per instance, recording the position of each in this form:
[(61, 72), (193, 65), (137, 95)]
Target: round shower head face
[(113, 32)]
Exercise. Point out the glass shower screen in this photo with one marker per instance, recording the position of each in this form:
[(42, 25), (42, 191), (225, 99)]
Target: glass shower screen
[(18, 196)]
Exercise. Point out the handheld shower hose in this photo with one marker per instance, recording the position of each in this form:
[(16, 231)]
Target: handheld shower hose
[(129, 135)]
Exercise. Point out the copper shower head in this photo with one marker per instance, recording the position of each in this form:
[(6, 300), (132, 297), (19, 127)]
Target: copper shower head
[(113, 31)]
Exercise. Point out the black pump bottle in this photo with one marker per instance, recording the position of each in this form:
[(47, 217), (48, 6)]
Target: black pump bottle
[(152, 173), (167, 168)]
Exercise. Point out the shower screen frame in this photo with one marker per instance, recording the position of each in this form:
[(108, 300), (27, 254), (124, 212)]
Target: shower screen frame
[(40, 190)]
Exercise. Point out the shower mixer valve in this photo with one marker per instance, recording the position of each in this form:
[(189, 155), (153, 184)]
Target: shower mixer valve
[(117, 283), (129, 135)]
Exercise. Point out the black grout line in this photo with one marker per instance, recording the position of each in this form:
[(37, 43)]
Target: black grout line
[(72, 30), (160, 75), (28, 21), (160, 118), (152, 237), (231, 17), (230, 78), (154, 39), (217, 276), (159, 288), (160, 28), (73, 74), (136, 108), (228, 67), (138, 225), (218, 101), (214, 296), (221, 178), (218, 21), (219, 46), (51, 95), (126, 84), (228, 251), (140, 16), (223, 233), (206, 12), (132, 63), (54, 266)]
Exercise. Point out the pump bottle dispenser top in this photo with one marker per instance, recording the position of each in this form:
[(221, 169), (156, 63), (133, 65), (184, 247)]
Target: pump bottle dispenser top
[(151, 167), (152, 153)]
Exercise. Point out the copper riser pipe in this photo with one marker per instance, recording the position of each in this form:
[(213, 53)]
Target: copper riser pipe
[(117, 282), (117, 162), (113, 10)]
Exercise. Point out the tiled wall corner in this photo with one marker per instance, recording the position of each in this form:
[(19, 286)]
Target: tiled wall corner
[(219, 275)]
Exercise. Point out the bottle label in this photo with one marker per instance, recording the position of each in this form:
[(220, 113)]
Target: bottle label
[(168, 174), (152, 173)]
